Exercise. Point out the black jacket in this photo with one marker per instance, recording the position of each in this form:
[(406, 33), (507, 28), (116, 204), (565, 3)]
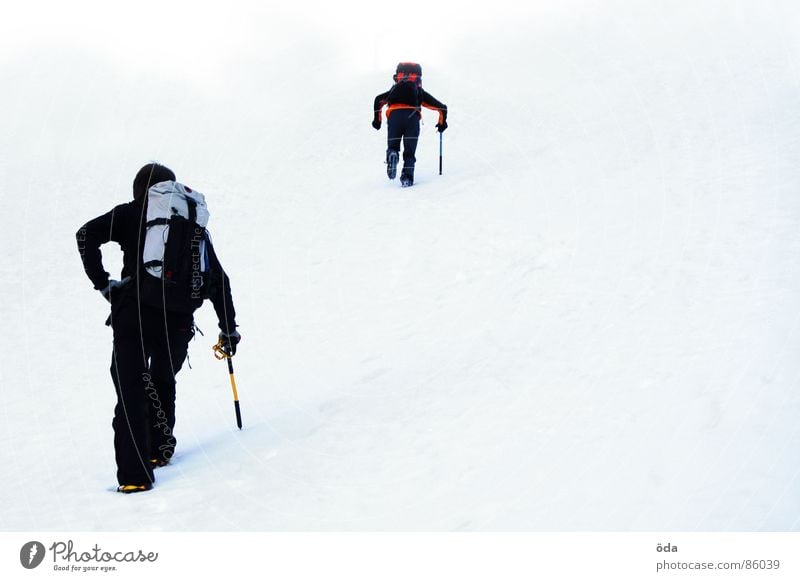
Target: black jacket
[(407, 96), (124, 224)]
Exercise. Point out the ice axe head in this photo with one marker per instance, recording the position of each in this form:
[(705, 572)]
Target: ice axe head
[(220, 351)]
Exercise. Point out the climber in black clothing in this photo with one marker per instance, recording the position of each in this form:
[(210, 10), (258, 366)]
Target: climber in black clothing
[(150, 341), (403, 113)]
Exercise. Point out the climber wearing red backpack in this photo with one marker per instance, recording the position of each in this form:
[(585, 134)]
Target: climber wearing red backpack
[(403, 113)]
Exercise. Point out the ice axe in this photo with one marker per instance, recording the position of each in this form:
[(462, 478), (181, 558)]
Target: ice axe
[(440, 152), (221, 353)]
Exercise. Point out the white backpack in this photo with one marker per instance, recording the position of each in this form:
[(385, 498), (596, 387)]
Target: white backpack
[(175, 255)]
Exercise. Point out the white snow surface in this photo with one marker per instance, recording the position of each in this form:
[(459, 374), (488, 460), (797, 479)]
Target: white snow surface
[(589, 322)]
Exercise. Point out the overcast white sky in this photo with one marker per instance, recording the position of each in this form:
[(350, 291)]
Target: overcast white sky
[(193, 35)]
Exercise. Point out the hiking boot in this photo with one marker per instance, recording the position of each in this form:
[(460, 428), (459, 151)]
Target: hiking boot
[(131, 488), (406, 179), (392, 157)]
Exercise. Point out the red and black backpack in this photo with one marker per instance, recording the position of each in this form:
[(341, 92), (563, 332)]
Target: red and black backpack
[(408, 72), (407, 85)]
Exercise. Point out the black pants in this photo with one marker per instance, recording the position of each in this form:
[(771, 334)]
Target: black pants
[(404, 124), (149, 349)]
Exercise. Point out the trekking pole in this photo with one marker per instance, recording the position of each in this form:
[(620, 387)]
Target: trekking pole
[(440, 152), (220, 353)]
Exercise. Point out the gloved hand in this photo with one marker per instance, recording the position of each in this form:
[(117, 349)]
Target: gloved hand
[(441, 126), (113, 285), (229, 341), (376, 123)]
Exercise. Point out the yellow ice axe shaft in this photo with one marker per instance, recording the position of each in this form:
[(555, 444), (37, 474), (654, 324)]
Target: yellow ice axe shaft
[(220, 353)]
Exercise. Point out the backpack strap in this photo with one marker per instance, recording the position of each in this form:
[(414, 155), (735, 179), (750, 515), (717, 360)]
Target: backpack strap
[(156, 222), (191, 204), (410, 77)]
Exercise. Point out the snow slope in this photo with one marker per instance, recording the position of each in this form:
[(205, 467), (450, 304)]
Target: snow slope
[(589, 322)]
